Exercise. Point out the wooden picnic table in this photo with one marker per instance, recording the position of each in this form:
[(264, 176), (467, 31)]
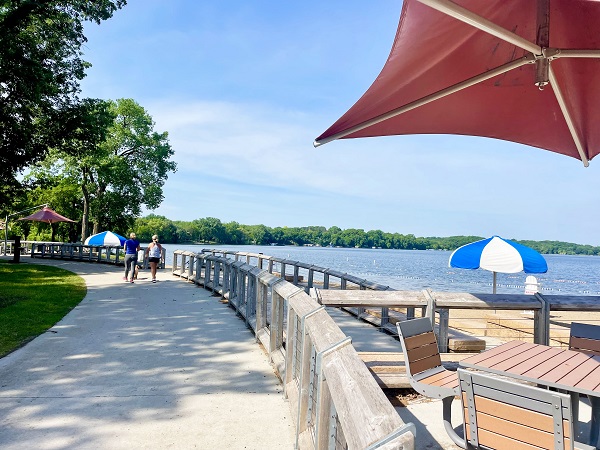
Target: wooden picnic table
[(563, 369)]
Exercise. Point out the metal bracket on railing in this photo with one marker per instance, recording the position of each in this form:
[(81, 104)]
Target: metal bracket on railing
[(541, 328), (406, 428), (320, 355), (430, 308)]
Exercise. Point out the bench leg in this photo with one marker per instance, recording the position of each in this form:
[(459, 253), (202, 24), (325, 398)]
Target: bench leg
[(447, 415), (575, 412), (595, 426)]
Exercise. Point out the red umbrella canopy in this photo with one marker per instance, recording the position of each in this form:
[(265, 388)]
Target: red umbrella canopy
[(470, 68), (47, 215)]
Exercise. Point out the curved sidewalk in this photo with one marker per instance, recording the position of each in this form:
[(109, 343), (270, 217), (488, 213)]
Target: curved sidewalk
[(142, 366)]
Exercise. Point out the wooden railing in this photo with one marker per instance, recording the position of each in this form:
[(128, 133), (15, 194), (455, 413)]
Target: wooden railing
[(109, 254), (291, 270), (335, 401), (359, 299)]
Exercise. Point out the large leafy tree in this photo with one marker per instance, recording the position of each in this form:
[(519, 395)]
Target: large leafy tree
[(40, 68), (134, 165), (116, 159), (146, 227)]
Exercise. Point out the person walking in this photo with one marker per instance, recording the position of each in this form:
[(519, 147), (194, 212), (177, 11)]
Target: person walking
[(131, 247), (154, 253)]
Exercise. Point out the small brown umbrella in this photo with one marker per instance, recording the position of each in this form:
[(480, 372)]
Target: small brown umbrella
[(47, 215)]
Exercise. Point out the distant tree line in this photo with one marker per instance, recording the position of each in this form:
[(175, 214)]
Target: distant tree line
[(212, 231)]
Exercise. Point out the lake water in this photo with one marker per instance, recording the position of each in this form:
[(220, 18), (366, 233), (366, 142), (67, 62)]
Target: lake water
[(420, 269)]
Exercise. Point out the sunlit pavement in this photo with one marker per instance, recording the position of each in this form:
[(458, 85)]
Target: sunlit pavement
[(164, 365)]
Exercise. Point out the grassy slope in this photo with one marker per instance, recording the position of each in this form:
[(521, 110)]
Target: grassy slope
[(32, 299)]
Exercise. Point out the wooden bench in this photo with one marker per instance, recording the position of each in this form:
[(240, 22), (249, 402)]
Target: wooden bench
[(389, 370), (424, 368), (505, 415), (585, 338)]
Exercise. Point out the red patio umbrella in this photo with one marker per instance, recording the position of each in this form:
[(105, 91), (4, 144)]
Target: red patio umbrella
[(517, 70), (49, 216)]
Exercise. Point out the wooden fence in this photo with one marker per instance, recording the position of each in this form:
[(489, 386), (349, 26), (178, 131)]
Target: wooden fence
[(334, 399), (373, 302), (108, 254)]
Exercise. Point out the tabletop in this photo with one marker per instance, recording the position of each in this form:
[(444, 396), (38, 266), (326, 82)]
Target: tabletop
[(551, 366)]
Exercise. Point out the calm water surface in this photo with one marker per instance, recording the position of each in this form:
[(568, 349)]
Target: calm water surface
[(420, 269)]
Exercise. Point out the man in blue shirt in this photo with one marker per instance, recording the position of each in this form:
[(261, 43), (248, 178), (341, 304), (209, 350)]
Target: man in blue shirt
[(131, 248)]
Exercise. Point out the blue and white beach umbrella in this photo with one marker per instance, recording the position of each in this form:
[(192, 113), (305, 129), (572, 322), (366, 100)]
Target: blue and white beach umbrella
[(498, 255), (105, 238)]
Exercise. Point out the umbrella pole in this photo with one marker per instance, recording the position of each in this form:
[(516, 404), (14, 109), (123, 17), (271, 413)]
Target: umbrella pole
[(494, 282)]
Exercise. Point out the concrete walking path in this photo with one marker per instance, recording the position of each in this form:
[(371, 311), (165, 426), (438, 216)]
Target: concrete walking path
[(142, 366)]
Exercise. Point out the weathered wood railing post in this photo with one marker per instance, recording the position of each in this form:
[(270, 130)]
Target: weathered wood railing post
[(226, 278), (198, 269), (176, 255), (233, 277), (251, 302), (216, 273), (191, 266), (265, 286)]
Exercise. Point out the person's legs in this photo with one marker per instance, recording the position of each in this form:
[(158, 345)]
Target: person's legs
[(133, 263), (153, 270), (130, 261), (127, 265)]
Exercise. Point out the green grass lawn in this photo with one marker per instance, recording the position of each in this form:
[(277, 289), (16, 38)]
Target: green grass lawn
[(32, 299)]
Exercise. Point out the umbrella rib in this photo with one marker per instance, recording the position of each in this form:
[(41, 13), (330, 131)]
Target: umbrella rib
[(575, 53), (527, 59), (464, 15), (567, 115)]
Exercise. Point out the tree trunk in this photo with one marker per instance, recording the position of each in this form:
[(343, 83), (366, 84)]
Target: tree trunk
[(86, 212), (99, 193)]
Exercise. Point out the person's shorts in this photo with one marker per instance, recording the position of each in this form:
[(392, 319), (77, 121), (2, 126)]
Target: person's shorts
[(156, 260)]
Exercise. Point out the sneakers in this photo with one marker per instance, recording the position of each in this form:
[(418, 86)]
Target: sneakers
[(154, 280), (124, 278), (131, 281)]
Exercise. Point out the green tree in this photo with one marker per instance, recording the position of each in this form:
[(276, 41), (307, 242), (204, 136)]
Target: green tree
[(64, 197), (152, 224), (211, 230), (41, 66), (235, 234), (353, 237), (258, 234), (135, 166), (183, 230), (117, 160)]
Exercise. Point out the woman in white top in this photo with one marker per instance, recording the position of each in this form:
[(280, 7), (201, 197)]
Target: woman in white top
[(154, 252)]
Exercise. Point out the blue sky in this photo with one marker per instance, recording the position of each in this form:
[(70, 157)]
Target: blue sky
[(244, 87)]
